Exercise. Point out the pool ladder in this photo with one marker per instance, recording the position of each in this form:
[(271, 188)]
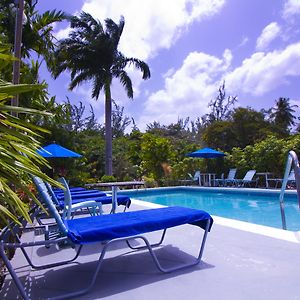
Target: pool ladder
[(292, 162)]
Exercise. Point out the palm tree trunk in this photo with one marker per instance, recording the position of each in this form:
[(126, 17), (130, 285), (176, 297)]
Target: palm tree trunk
[(108, 131)]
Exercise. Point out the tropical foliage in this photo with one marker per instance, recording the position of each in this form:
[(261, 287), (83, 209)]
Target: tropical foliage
[(251, 139), (18, 157), (282, 115), (37, 28)]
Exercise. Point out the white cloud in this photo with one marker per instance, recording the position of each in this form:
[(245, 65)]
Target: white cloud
[(151, 25), (291, 8), (63, 33), (264, 72), (187, 91), (244, 41), (295, 102), (268, 34)]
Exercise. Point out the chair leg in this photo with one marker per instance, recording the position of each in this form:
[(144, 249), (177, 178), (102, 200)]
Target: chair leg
[(100, 261), (47, 266), (152, 245), (153, 255), (12, 272)]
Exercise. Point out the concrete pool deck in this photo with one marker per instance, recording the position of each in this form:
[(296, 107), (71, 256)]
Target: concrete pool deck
[(237, 264)]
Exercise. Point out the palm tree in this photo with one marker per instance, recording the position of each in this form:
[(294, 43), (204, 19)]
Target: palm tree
[(282, 114), (37, 28), (91, 53)]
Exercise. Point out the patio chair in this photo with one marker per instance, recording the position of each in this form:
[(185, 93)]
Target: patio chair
[(92, 203), (77, 192), (247, 180), (229, 180), (290, 183), (108, 229), (69, 202), (192, 179)]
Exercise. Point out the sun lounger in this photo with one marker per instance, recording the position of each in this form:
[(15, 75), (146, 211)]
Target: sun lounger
[(82, 194), (291, 181), (72, 189), (192, 179), (76, 192), (100, 198), (69, 202), (227, 181), (110, 229), (247, 180)]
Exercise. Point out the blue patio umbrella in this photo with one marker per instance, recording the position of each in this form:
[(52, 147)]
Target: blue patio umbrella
[(206, 153), (56, 151)]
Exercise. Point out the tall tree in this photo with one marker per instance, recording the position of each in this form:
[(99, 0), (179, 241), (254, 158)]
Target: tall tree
[(220, 106), (119, 121), (283, 114), (91, 53)]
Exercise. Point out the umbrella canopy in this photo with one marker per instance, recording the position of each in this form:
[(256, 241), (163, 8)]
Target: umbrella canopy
[(206, 153), (55, 150)]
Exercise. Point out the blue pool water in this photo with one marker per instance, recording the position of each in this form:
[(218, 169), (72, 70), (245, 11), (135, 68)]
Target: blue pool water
[(254, 207)]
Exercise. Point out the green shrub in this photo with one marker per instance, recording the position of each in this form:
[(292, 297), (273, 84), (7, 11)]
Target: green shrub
[(108, 178), (150, 182)]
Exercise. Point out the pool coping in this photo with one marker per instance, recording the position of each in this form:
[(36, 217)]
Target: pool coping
[(286, 235), (229, 189)]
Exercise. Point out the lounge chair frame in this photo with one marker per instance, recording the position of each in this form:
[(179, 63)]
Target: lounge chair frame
[(63, 236), (6, 245), (229, 180), (247, 180), (192, 179)]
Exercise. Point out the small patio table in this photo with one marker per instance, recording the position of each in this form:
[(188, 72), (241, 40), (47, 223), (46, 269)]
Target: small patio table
[(207, 178), (114, 189)]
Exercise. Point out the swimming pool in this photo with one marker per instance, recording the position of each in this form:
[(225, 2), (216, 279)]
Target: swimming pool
[(254, 206)]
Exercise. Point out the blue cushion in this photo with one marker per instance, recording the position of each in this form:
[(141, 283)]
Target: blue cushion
[(122, 200), (108, 227), (72, 189), (78, 192), (82, 195)]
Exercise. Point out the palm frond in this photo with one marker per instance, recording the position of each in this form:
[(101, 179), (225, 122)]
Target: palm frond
[(18, 156), (98, 85), (11, 89), (125, 81), (140, 65), (49, 17), (115, 30)]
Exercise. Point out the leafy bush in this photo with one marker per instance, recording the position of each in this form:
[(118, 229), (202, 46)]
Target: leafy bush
[(108, 178), (268, 155), (150, 182)]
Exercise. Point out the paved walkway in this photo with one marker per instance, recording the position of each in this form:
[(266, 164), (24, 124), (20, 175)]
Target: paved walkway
[(236, 265)]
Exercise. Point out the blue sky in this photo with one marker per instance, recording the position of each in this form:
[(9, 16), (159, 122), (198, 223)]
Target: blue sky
[(191, 46)]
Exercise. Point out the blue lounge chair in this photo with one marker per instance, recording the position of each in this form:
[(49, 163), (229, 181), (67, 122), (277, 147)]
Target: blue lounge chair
[(69, 203), (110, 229), (77, 192), (227, 181), (77, 199), (81, 194), (72, 189), (247, 180), (291, 181), (192, 179)]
